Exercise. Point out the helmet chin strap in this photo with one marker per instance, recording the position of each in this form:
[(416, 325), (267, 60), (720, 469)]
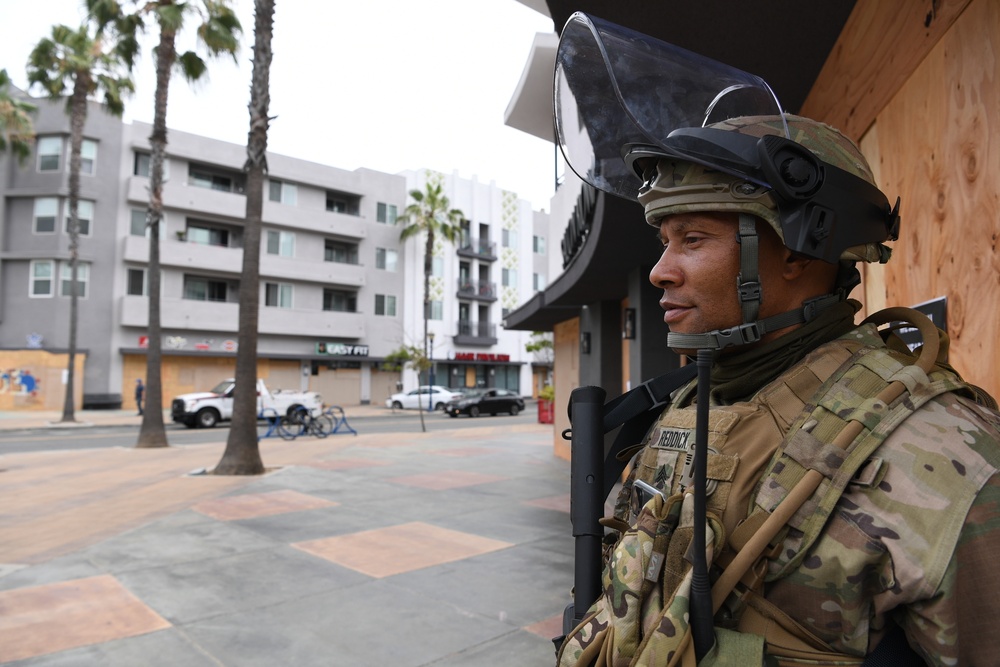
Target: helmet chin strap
[(748, 286)]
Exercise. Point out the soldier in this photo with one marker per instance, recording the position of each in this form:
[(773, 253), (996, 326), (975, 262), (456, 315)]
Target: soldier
[(852, 486)]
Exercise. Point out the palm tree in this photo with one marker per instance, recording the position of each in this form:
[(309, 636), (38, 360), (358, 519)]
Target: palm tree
[(218, 32), (242, 455), (84, 64), (16, 129), (430, 214)]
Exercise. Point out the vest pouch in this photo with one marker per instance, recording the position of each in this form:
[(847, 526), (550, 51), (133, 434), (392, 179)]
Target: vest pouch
[(642, 617)]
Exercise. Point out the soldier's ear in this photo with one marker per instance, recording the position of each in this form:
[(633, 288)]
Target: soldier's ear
[(794, 265)]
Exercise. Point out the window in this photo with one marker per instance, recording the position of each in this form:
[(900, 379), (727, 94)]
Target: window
[(84, 214), (385, 259), (140, 166), (385, 304), (282, 192), (137, 226), (342, 202), (281, 243), (437, 310), (437, 267), (46, 211), (510, 277), (340, 252), (135, 282), (207, 234), (41, 278), (66, 279), (197, 288), (49, 153), (509, 238), (538, 245), (386, 213), (88, 156), (216, 178), (340, 301), (278, 295), (538, 281)]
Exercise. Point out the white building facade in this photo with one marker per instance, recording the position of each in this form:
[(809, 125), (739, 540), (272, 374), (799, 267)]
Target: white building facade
[(498, 262)]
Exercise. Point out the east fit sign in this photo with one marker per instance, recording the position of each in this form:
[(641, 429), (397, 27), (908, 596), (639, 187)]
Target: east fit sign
[(342, 350)]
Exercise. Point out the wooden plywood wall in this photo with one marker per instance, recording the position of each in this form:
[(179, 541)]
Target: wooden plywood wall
[(938, 148), (566, 337)]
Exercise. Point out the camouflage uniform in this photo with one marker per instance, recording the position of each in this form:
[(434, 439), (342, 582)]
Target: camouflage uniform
[(915, 544)]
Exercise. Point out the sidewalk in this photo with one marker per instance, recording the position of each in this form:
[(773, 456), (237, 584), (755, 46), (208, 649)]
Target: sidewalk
[(442, 548)]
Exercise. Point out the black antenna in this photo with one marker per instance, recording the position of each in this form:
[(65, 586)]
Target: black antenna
[(702, 625)]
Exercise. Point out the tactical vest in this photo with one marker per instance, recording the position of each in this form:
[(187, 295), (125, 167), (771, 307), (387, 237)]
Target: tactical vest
[(759, 451)]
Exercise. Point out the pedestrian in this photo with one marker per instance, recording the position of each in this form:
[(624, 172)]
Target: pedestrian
[(140, 389), (852, 487)]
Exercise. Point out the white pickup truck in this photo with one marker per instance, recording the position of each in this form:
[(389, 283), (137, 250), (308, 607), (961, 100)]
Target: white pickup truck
[(207, 408)]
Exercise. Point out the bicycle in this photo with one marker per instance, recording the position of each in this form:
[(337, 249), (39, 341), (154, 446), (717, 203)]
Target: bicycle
[(300, 422)]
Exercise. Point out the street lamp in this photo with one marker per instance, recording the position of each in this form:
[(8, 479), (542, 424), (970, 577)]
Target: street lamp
[(430, 358)]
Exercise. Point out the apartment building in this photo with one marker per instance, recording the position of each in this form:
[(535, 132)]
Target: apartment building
[(330, 309), (339, 291), (491, 267)]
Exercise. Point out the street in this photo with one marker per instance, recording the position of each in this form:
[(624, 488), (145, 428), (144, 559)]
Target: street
[(374, 420)]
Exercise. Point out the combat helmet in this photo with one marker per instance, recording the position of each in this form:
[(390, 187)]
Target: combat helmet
[(678, 132)]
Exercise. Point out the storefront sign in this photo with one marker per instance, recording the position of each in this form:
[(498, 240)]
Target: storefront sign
[(579, 224), (480, 356), (340, 349)]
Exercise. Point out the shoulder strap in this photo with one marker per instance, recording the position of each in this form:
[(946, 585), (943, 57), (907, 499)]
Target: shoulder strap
[(635, 411)]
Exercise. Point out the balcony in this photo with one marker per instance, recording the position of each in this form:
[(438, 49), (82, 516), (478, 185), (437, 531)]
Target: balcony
[(481, 334), (327, 273), (191, 198), (332, 223), (178, 315), (477, 249), (478, 290), (182, 314), (182, 254)]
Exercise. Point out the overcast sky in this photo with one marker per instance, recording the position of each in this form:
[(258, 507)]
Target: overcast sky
[(385, 84)]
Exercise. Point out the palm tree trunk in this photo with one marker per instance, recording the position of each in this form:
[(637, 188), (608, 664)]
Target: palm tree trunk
[(78, 116), (242, 455), (152, 432)]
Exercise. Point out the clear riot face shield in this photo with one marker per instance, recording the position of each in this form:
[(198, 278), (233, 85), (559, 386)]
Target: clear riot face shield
[(621, 96), (619, 91)]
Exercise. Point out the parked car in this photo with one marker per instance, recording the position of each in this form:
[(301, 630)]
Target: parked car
[(423, 396), (485, 401)]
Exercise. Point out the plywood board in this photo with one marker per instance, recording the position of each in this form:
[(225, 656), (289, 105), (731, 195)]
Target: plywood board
[(939, 149)]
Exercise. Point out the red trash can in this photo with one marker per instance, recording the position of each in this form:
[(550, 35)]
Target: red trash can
[(545, 412)]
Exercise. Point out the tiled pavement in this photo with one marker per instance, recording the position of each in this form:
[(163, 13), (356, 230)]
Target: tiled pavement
[(442, 548)]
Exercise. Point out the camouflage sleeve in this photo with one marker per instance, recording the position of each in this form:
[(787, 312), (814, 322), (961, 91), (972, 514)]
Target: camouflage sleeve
[(962, 615)]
